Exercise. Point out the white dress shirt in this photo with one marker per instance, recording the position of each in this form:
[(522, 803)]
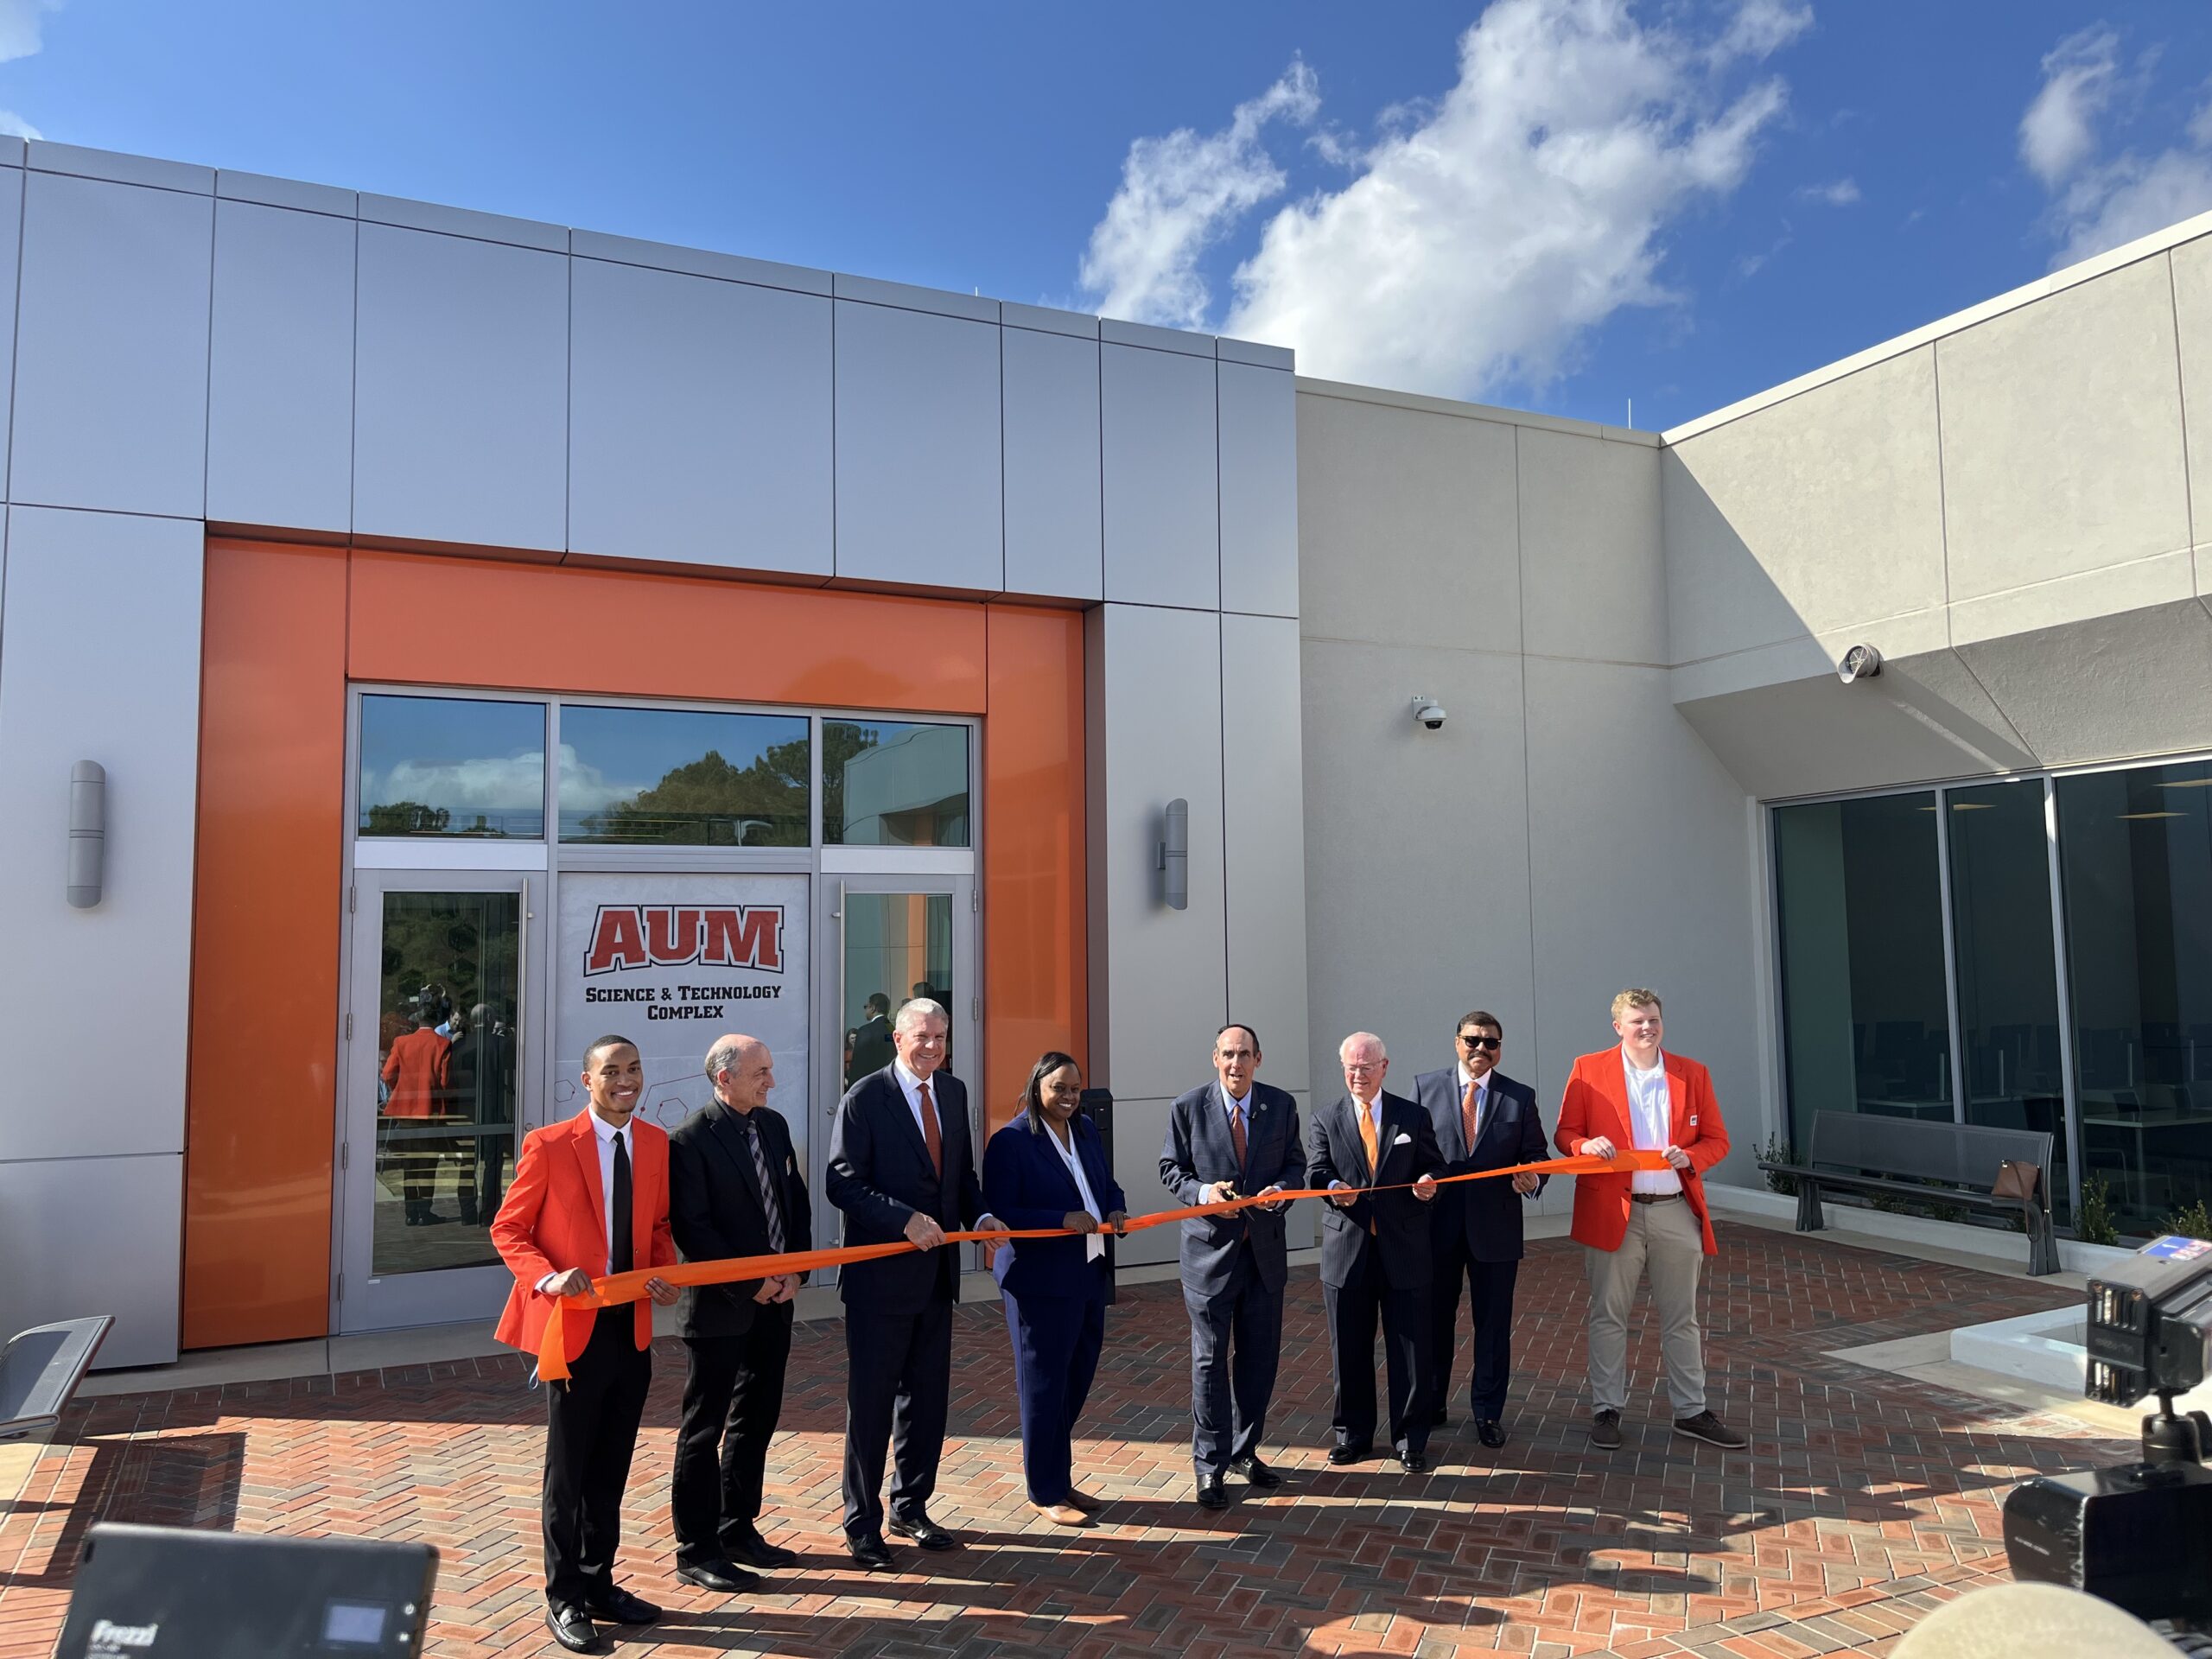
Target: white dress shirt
[(911, 1086), (1374, 1110), (606, 1135), (1651, 1120), (1093, 1245)]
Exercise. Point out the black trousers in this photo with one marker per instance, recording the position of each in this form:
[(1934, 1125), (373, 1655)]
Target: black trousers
[(898, 1383), (1490, 1294), (1353, 1310), (1235, 1347), (1056, 1342), (732, 1396), (591, 1431)]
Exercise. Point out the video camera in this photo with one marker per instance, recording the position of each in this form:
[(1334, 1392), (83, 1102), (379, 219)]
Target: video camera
[(2138, 1535)]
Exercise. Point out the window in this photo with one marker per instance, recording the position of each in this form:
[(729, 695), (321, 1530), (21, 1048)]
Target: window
[(452, 767), (673, 778), (2135, 863), (1865, 1020), (892, 784)]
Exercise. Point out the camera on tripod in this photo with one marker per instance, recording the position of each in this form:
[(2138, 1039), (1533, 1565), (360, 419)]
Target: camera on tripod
[(2138, 1535)]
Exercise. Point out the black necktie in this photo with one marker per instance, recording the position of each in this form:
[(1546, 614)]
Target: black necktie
[(619, 1257), (768, 1205)]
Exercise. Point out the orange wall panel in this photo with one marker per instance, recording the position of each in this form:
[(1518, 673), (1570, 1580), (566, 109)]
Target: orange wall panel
[(423, 619), (261, 1096), (1036, 987)]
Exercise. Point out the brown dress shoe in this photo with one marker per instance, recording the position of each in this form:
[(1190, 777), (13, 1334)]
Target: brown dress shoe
[(1062, 1514)]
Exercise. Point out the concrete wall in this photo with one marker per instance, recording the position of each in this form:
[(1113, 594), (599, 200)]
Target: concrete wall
[(1568, 832), (2003, 504)]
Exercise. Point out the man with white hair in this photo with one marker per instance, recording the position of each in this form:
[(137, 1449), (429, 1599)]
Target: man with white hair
[(1375, 1154), (901, 1166), (735, 1188)]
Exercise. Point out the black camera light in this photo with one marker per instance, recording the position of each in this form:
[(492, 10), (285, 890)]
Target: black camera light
[(2138, 1535)]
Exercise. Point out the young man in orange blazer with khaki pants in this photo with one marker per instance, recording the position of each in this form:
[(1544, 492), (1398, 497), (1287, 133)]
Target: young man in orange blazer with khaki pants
[(1638, 1097), (589, 1199)]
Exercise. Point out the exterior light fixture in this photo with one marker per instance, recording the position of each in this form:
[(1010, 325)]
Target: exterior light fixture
[(87, 833), (1174, 863)]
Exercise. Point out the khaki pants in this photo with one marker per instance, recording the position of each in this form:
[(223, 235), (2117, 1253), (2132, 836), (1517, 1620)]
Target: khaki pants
[(1666, 1239)]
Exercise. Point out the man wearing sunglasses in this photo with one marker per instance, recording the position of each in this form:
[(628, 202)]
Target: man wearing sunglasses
[(1484, 1120)]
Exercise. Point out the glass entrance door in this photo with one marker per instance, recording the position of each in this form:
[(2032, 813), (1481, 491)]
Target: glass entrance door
[(895, 938), (437, 1060)]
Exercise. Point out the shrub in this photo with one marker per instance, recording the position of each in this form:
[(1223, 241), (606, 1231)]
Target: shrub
[(2195, 1222), (1777, 1150), (2095, 1225)]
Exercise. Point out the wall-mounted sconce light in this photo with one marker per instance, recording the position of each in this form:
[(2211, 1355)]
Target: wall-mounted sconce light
[(1175, 854), (87, 832)]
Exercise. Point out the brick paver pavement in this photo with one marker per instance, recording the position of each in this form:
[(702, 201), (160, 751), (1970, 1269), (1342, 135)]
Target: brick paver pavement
[(1864, 1498)]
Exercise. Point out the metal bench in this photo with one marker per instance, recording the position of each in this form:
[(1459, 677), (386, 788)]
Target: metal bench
[(1942, 1163), (40, 1370)]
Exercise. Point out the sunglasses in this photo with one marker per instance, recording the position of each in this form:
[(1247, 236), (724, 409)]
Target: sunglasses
[(1493, 1043)]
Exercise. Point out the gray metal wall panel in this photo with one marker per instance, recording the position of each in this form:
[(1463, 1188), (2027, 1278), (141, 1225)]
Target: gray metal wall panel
[(112, 350), (700, 426), (1052, 539), (106, 1236), (1264, 834), (11, 230), (1162, 500), (280, 396), (918, 479), (461, 392), (99, 660), (1259, 490), (1167, 969)]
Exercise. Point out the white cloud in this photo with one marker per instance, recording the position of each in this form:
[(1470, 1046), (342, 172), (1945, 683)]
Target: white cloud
[(1489, 231), (1177, 196), (2058, 130), (496, 784), (1841, 194), (20, 22), (2098, 203)]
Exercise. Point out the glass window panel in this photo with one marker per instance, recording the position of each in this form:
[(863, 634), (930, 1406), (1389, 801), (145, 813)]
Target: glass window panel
[(897, 946), (673, 778), (452, 767), (893, 784), (2135, 864), (1866, 1023), (2008, 977), (446, 1051)]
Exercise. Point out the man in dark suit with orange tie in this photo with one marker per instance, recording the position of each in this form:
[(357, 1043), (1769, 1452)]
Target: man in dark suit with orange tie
[(901, 1166), (1374, 1252), (1482, 1120), (589, 1199), (735, 1190)]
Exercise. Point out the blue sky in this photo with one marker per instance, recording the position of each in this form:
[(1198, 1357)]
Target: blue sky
[(1554, 204)]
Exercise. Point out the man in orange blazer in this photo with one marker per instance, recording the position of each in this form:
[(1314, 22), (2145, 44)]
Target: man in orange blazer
[(589, 1199), (1637, 1096)]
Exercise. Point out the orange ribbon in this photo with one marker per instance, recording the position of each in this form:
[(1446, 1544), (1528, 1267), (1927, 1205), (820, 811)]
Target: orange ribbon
[(619, 1289)]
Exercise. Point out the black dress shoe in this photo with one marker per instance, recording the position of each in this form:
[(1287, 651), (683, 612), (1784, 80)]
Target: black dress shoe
[(925, 1533), (618, 1606), (871, 1553), (1344, 1454), (722, 1577), (1413, 1462), (1212, 1495), (572, 1628), (1252, 1472), (1490, 1433), (751, 1548)]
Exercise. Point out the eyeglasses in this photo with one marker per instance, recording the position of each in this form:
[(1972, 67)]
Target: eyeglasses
[(1493, 1043)]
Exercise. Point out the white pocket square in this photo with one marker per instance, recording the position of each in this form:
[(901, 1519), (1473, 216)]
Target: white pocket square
[(1403, 1140)]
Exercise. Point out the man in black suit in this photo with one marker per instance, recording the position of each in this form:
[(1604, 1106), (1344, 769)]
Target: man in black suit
[(867, 1045), (1233, 1136), (901, 1166), (734, 1189), (1482, 1120), (1374, 1252)]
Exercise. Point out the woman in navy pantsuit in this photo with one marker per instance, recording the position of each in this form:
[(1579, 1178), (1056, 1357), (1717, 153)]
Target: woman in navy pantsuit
[(1047, 1168)]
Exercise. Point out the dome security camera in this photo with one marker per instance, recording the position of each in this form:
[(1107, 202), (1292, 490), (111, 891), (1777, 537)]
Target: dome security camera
[(1429, 712), (1859, 663)]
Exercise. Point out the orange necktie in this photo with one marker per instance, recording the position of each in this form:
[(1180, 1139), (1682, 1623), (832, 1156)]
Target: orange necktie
[(1467, 1116), (1367, 1139), (933, 1137)]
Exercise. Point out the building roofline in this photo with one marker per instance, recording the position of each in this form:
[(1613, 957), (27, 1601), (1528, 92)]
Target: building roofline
[(1466, 412), (2057, 282)]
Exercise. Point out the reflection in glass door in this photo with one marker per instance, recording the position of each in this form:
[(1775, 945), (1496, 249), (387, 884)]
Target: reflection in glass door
[(435, 1076)]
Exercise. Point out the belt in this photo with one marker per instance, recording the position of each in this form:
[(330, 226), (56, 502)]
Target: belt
[(1653, 1198)]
